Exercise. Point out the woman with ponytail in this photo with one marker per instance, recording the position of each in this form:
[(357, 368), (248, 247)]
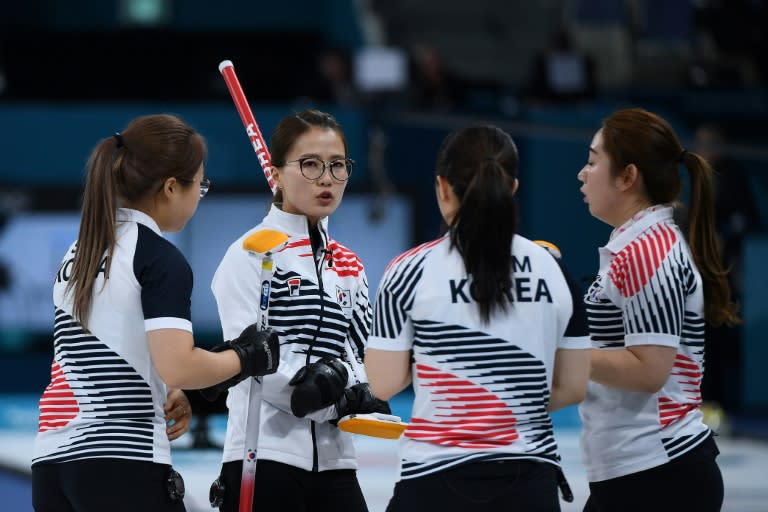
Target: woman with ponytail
[(122, 335), (491, 332), (644, 444)]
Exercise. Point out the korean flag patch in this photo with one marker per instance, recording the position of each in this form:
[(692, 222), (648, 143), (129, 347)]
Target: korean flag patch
[(343, 297)]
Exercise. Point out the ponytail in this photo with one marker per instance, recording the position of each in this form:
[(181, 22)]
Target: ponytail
[(702, 238), (97, 226), (480, 163), (482, 232)]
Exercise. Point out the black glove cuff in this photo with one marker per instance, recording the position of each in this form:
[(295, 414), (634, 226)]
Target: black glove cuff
[(259, 355), (212, 393)]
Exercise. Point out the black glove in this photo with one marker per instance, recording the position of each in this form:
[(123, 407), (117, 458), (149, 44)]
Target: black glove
[(358, 399), (318, 385), (259, 353)]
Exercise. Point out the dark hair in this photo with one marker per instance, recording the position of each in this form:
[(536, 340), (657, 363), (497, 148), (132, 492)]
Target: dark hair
[(636, 136), (480, 163), (127, 167), (291, 128)]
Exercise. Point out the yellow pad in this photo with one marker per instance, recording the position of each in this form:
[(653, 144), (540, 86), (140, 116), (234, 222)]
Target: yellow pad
[(373, 425), (264, 240), (550, 247)]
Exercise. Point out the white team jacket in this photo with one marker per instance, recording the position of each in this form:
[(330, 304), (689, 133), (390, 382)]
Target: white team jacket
[(318, 303)]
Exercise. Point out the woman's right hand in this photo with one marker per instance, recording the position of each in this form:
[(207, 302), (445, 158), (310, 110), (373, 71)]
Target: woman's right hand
[(317, 386), (259, 354), (359, 399), (259, 351)]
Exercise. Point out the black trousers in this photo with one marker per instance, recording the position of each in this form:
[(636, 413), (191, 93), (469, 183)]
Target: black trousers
[(98, 485), (690, 482), (284, 488), (482, 486)]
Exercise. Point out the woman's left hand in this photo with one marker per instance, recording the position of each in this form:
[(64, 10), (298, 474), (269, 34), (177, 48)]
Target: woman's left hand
[(178, 414)]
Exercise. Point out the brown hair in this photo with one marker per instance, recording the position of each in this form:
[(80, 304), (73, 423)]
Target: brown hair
[(291, 128), (636, 136), (127, 167), (480, 163)]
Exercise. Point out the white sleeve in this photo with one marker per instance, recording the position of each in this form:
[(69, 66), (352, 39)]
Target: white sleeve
[(392, 326)]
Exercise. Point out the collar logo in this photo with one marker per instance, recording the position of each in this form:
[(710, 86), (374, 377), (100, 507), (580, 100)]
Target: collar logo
[(294, 286), (595, 291)]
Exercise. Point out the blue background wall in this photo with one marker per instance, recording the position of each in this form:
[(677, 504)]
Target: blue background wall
[(45, 144)]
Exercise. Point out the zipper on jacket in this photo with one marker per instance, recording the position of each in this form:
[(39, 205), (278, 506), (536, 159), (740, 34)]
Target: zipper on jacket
[(319, 272), (320, 289), (315, 463)]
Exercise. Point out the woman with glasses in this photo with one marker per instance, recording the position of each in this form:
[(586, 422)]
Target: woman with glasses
[(489, 329), (122, 338), (317, 306)]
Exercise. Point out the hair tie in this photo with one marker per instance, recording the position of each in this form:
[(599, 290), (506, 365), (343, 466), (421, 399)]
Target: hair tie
[(119, 142), (681, 157), (489, 159)]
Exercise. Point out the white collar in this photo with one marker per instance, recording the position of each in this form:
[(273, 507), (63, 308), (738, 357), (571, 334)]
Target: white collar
[(131, 215), (293, 224), (641, 221)]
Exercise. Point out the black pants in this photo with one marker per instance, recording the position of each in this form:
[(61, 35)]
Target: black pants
[(483, 486), (284, 488), (690, 482), (98, 485)]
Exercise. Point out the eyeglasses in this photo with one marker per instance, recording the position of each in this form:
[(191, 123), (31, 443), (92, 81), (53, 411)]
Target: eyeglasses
[(205, 186), (313, 168)]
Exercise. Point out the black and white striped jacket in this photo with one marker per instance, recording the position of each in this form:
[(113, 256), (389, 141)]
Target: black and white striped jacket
[(318, 303)]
